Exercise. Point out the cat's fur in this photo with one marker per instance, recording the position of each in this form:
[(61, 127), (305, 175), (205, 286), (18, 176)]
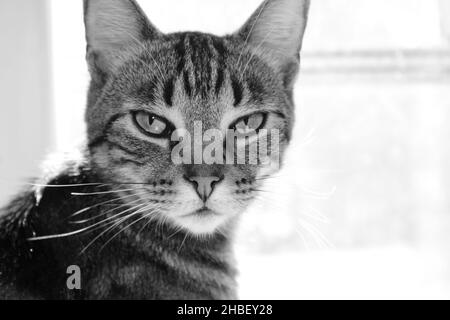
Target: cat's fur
[(184, 77)]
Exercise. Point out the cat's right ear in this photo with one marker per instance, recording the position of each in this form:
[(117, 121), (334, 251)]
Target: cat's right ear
[(111, 27)]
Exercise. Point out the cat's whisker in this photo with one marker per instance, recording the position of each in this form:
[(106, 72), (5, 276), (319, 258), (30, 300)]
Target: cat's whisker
[(261, 190), (182, 242), (270, 177), (94, 184), (318, 236), (316, 215), (308, 139), (107, 212), (64, 185), (269, 202), (223, 232), (308, 212), (103, 203), (274, 193), (116, 222), (76, 232), (89, 208), (318, 195), (265, 178), (316, 233), (115, 216), (144, 226), (178, 230), (161, 223), (57, 236), (119, 221), (135, 183), (125, 228), (64, 235), (319, 243), (160, 220), (79, 231), (145, 216), (305, 192), (104, 192), (302, 237)]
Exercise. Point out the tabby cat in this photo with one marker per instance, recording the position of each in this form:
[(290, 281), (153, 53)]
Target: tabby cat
[(134, 224)]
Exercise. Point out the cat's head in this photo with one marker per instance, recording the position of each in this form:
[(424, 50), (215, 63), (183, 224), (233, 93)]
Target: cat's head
[(146, 85)]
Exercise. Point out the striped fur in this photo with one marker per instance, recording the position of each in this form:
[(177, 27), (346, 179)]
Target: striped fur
[(141, 242)]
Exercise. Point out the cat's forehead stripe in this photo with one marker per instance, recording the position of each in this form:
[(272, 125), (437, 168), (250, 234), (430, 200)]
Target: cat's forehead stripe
[(168, 91), (187, 84), (238, 91), (221, 63), (220, 80), (201, 63)]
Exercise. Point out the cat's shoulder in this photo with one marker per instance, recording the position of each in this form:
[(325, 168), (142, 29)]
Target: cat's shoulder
[(16, 217), (15, 228), (22, 215)]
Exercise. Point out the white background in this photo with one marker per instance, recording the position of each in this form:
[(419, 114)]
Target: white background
[(361, 209)]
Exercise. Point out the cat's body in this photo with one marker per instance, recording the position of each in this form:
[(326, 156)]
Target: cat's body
[(159, 262), (135, 222)]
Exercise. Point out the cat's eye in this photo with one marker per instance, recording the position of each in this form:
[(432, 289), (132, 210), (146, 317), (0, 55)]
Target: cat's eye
[(250, 124), (153, 125)]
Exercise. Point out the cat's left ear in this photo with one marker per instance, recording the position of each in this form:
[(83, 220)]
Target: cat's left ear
[(277, 27), (111, 27)]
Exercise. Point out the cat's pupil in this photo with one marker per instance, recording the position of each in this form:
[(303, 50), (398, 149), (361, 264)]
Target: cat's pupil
[(156, 125)]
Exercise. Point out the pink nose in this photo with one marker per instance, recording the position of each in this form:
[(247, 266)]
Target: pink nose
[(204, 186)]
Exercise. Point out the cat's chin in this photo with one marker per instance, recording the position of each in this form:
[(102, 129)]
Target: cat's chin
[(201, 222)]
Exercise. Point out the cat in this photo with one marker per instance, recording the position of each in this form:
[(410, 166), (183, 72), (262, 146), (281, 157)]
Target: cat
[(133, 223)]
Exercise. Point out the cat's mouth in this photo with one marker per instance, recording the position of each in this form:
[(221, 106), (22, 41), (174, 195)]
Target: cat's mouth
[(202, 213)]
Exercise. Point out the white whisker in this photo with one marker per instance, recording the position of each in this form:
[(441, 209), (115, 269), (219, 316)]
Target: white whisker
[(103, 203), (318, 195), (76, 232), (316, 215), (182, 243), (302, 237), (127, 226), (104, 192), (115, 224), (316, 233), (64, 185), (107, 212)]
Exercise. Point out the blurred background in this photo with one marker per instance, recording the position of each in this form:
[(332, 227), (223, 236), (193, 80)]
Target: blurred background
[(361, 208)]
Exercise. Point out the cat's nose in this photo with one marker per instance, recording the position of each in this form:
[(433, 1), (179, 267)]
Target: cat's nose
[(204, 186)]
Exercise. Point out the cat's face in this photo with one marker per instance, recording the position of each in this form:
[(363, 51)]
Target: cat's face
[(146, 86)]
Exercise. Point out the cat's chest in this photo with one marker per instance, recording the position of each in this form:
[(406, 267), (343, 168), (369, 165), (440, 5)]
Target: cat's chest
[(159, 279)]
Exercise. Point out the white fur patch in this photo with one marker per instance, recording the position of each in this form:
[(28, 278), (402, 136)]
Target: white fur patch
[(221, 202)]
